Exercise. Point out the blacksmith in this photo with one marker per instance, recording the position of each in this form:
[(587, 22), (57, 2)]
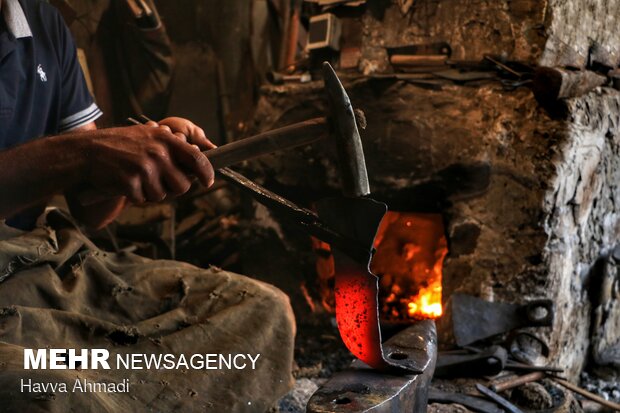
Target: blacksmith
[(58, 291)]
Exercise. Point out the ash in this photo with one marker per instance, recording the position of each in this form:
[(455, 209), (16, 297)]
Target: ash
[(295, 401), (608, 389)]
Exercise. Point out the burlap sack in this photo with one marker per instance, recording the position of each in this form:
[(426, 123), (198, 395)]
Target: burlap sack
[(60, 291)]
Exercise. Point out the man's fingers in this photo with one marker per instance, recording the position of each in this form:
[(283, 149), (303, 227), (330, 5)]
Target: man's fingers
[(165, 128), (151, 182), (133, 189), (193, 161), (194, 134), (161, 165), (176, 181), (199, 138), (181, 136)]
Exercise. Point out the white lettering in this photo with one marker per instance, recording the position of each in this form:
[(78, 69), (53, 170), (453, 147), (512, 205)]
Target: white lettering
[(182, 362), (253, 360), (225, 362), (99, 357), (122, 359), (38, 387), (152, 360), (135, 360), (239, 367), (29, 385), (76, 361), (198, 366), (38, 362), (211, 359), (169, 361), (57, 358)]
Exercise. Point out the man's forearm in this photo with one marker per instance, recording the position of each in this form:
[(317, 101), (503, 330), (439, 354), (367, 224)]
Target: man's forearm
[(36, 170), (143, 163)]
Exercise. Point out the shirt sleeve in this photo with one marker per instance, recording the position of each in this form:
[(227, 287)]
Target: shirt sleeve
[(77, 105)]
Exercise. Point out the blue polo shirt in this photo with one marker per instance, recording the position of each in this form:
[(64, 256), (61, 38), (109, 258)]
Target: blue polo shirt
[(42, 88)]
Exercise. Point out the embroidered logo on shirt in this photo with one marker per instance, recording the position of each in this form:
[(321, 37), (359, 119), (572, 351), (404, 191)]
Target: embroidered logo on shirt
[(41, 73)]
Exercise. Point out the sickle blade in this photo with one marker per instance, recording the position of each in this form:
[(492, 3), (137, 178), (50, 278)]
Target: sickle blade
[(357, 315), (357, 289)]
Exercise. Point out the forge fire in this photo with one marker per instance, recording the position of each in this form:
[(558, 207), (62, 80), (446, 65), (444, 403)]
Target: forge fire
[(409, 261), (410, 250)]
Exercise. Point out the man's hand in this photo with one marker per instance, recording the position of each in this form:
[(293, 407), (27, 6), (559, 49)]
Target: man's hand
[(141, 163), (100, 214), (187, 131), (146, 163)]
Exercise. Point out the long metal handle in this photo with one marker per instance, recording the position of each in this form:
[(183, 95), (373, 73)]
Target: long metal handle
[(304, 218), (288, 137)]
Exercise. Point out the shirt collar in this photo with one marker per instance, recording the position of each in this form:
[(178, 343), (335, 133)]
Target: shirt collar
[(15, 19)]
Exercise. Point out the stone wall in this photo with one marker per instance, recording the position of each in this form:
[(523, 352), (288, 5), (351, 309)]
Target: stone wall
[(473, 28), (547, 32), (531, 203), (582, 29), (581, 217), (606, 320)]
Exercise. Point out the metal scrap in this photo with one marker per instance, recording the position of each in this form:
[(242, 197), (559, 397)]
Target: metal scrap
[(488, 362), (511, 408), (475, 319)]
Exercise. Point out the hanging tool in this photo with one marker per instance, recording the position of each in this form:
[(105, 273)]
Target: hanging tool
[(517, 381), (280, 78), (421, 56)]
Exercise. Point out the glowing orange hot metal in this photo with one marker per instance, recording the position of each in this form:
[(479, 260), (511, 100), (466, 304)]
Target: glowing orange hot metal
[(411, 249)]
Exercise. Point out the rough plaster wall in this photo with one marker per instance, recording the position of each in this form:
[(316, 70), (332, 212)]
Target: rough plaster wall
[(574, 26), (472, 28), (606, 320), (582, 213), (547, 32)]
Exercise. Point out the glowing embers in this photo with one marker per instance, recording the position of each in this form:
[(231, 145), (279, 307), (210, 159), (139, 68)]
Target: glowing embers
[(410, 252), (411, 248)]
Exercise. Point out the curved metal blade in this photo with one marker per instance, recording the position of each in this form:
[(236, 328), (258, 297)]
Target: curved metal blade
[(357, 289)]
